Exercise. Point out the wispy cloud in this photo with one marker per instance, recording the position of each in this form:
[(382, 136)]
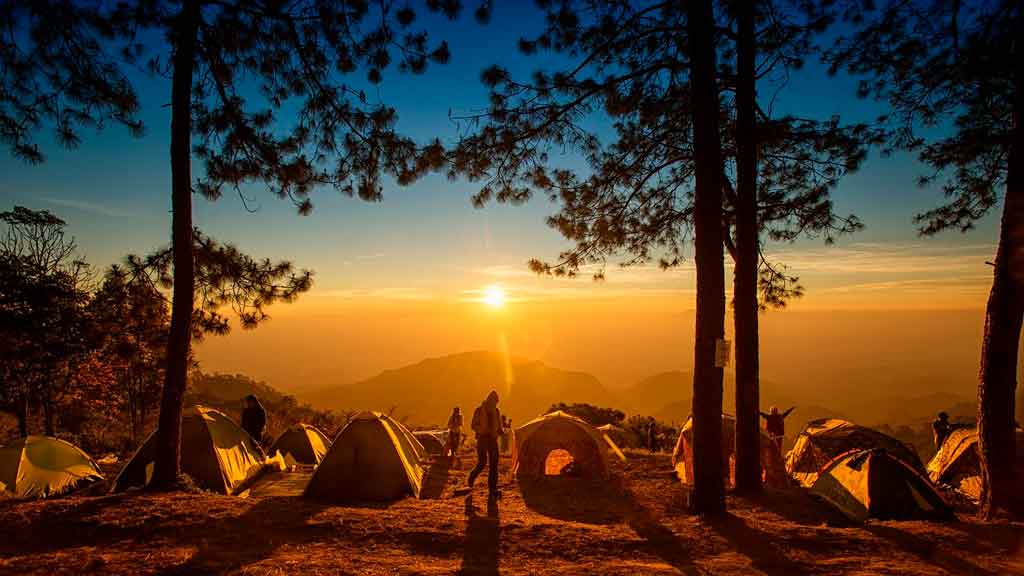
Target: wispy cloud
[(897, 258), (90, 207)]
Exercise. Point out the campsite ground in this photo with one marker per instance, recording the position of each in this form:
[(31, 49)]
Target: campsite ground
[(634, 526)]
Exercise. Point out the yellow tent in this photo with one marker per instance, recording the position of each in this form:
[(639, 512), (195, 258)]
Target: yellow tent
[(215, 452), (826, 438), (773, 471), (873, 483), (374, 457), (301, 444), (433, 441), (559, 430), (42, 467), (956, 464)]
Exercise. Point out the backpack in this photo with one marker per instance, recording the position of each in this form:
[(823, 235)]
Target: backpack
[(478, 416)]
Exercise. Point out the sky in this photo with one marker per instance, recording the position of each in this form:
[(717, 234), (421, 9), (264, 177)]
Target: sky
[(399, 280)]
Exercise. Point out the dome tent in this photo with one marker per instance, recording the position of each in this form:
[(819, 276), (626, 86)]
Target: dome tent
[(215, 452), (957, 463), (301, 444), (44, 467), (433, 441), (772, 468), (826, 438), (873, 483), (559, 430), (374, 457)]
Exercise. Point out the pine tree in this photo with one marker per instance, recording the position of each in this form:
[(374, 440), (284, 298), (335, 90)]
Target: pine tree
[(64, 67), (952, 72), (632, 66)]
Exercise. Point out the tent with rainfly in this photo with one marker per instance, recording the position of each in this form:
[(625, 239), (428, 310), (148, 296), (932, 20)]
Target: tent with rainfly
[(560, 430), (44, 467), (864, 484), (433, 441), (957, 463), (301, 444), (826, 438), (374, 457), (773, 471), (215, 452)]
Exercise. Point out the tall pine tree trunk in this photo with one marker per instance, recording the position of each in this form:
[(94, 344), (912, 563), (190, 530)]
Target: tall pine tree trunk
[(48, 427), (748, 436), (1003, 318), (23, 416), (708, 496), (168, 440)]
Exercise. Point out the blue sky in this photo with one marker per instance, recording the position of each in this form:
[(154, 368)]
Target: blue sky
[(114, 192)]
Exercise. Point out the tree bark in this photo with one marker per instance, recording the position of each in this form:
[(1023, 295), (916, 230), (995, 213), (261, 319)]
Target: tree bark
[(168, 439), (1003, 318), (708, 496), (745, 308), (48, 427), (23, 416)]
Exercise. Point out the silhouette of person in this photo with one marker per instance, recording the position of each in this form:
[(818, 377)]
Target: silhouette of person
[(454, 432), (487, 425), (941, 428), (652, 436), (775, 424), (254, 418)]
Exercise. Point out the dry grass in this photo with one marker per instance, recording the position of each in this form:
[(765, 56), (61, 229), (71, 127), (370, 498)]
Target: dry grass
[(637, 524)]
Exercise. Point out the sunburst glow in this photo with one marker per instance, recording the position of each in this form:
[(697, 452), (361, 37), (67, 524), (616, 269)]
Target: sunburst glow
[(494, 296)]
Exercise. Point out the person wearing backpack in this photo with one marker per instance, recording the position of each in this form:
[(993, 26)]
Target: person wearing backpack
[(487, 425)]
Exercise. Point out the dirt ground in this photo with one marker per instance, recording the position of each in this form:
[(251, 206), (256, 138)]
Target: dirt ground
[(634, 525)]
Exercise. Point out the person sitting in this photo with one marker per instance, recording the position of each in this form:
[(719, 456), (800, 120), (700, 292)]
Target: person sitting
[(775, 424), (254, 418)]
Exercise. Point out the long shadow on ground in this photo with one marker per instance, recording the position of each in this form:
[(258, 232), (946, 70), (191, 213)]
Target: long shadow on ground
[(756, 545), (483, 539), (606, 502), (928, 551)]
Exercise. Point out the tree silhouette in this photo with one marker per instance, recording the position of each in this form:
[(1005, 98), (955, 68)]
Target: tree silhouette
[(953, 73), (636, 194), (63, 63), (43, 293)]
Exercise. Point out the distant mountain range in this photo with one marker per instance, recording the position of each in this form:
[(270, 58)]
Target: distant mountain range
[(424, 393)]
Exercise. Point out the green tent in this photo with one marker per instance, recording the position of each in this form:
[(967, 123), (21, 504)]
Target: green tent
[(825, 439), (301, 444), (866, 484), (373, 458), (42, 467), (215, 452)]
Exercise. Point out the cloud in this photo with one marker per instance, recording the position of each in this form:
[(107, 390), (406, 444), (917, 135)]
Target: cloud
[(896, 258), (90, 207)]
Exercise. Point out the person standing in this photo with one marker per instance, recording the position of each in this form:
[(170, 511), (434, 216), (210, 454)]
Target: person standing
[(487, 425), (941, 428), (652, 436), (454, 433), (775, 424), (254, 418)]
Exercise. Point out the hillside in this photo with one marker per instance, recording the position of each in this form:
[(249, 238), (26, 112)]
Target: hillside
[(424, 393)]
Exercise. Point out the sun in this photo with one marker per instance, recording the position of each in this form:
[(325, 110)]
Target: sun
[(494, 296)]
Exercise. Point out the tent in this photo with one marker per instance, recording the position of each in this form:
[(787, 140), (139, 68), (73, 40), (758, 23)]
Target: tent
[(873, 483), (301, 444), (433, 441), (622, 437), (773, 471), (374, 457), (215, 452), (956, 464), (42, 467), (559, 430), (826, 438)]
